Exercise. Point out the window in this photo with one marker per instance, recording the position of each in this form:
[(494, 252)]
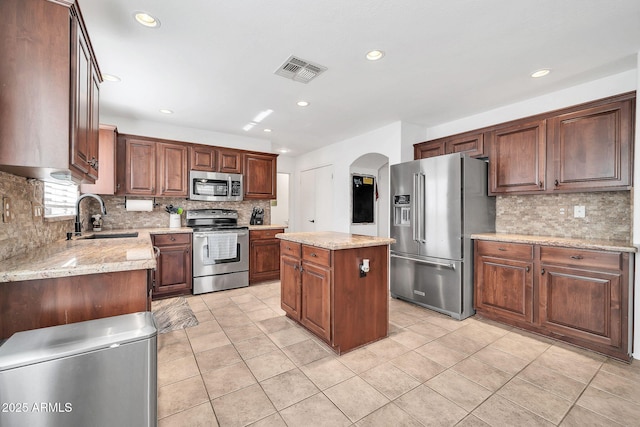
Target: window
[(60, 199)]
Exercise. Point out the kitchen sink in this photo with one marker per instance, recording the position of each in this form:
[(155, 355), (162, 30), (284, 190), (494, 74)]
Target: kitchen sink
[(111, 236)]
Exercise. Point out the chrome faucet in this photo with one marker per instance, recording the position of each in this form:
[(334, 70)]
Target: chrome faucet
[(78, 224)]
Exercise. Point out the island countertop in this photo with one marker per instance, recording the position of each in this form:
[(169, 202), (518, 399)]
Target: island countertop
[(607, 245), (334, 240)]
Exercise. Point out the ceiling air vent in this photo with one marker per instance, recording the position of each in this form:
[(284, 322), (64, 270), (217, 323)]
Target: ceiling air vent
[(300, 70)]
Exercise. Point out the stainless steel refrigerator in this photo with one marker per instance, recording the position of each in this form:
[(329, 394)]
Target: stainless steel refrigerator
[(436, 204)]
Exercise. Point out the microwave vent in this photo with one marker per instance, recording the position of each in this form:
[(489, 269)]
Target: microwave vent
[(300, 70)]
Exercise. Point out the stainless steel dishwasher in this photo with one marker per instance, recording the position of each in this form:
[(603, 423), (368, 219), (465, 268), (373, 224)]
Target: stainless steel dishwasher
[(96, 373)]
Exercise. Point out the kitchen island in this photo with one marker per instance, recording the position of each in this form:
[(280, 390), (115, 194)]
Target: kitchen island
[(336, 286), (74, 280)]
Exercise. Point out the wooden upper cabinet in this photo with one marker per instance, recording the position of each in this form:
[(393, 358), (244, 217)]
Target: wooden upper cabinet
[(105, 184), (140, 167), (260, 176), (50, 78), (203, 158), (428, 149), (173, 169), (471, 143), (591, 148), (517, 159), (229, 161)]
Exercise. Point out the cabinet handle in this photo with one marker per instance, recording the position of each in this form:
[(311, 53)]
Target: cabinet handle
[(313, 254), (502, 249), (540, 184), (173, 239), (542, 272), (555, 182), (576, 256)]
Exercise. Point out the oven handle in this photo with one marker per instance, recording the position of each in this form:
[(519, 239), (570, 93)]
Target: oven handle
[(205, 234)]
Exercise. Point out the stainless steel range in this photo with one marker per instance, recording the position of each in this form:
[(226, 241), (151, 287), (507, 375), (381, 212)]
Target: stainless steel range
[(220, 250)]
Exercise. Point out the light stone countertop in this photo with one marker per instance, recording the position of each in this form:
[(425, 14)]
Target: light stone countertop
[(81, 256), (333, 240), (606, 245), (268, 227)]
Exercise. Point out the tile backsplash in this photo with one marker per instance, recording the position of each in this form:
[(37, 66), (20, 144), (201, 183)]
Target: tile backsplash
[(608, 215), (24, 232)]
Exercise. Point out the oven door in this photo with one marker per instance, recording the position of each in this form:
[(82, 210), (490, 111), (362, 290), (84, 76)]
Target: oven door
[(205, 262)]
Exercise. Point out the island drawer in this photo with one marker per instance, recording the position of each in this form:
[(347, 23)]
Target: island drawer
[(580, 257), (171, 239), (505, 249), (316, 255), (290, 248)]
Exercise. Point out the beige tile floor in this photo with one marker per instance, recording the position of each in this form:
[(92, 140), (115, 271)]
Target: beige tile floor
[(247, 364)]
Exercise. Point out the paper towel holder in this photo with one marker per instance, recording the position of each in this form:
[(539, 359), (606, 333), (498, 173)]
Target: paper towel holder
[(154, 202)]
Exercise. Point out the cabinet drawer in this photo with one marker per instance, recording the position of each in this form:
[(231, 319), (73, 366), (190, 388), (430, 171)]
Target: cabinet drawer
[(290, 248), (172, 239), (265, 234), (316, 255), (580, 257), (505, 250)]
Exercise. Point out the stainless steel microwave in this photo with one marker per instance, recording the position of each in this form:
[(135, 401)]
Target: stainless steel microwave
[(215, 186)]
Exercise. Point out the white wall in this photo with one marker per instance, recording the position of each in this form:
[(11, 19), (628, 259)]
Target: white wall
[(198, 136), (280, 212), (385, 141)]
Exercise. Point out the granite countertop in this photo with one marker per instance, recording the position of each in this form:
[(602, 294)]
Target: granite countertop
[(607, 245), (333, 240)]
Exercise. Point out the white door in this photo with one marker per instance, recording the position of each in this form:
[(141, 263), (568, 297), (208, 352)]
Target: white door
[(316, 199)]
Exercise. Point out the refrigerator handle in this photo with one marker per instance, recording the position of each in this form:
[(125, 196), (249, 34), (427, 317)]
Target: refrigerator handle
[(422, 233), (415, 213)]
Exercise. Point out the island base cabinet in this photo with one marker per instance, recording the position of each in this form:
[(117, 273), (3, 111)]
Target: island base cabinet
[(324, 291), (34, 304)]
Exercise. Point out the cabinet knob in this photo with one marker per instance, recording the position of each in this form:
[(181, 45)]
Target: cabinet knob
[(173, 239), (555, 182), (542, 272), (527, 269), (540, 184), (313, 254), (576, 256)]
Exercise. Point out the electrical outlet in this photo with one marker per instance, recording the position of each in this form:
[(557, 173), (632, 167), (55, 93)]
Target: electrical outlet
[(579, 212), (37, 210), (7, 215), (563, 211)]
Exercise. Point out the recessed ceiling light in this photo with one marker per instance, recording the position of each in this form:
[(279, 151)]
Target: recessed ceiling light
[(374, 55), (302, 103), (165, 111), (147, 20), (540, 73), (267, 130), (283, 150), (110, 78)]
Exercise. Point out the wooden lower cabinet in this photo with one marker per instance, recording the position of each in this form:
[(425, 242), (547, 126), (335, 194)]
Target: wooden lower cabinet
[(576, 295), (173, 275), (264, 255), (33, 304), (322, 289)]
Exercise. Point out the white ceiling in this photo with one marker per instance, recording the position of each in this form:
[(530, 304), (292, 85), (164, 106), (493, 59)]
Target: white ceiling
[(212, 61)]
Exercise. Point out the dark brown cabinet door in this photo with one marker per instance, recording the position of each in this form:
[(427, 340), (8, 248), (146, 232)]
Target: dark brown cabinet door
[(264, 255), (591, 148), (172, 164), (94, 127), (140, 168), (203, 158), (315, 311), (260, 175), (505, 288), (229, 161), (581, 304), (81, 99), (290, 286), (472, 144), (518, 158), (173, 274), (428, 149)]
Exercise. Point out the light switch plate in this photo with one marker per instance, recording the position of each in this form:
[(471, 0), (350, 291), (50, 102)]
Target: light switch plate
[(579, 212)]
